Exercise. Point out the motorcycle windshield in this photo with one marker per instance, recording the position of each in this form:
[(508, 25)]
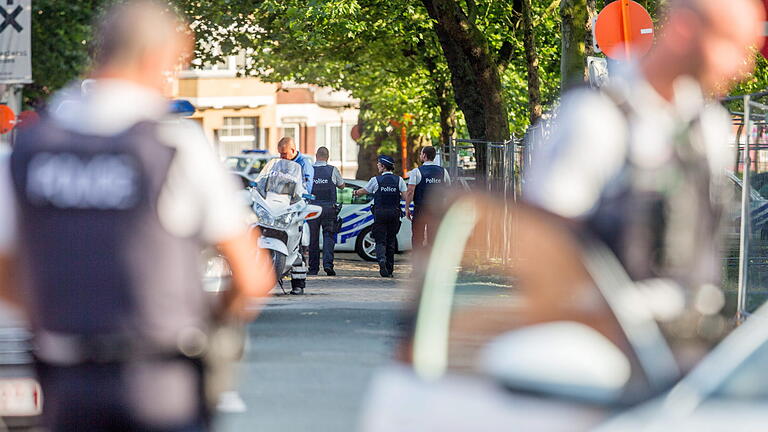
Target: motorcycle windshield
[(282, 177)]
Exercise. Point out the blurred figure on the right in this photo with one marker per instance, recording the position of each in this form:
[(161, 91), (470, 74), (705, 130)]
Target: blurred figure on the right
[(641, 164)]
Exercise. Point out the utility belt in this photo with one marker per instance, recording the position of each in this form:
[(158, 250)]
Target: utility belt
[(376, 208), (61, 349)]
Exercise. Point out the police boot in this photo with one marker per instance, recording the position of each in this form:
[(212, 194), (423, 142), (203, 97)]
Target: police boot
[(298, 279), (297, 286), (383, 271)]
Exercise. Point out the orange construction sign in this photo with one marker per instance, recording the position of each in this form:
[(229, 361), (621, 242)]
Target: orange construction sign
[(624, 30)]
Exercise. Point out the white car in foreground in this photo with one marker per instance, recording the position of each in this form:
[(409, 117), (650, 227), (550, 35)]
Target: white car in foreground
[(356, 216), (726, 392)]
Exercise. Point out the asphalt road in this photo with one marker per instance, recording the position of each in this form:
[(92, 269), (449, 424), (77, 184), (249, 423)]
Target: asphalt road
[(310, 358)]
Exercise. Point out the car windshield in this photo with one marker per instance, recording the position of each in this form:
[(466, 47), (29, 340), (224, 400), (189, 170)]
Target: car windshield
[(237, 163), (280, 176)]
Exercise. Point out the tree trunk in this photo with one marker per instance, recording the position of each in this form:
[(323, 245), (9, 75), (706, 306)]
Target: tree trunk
[(575, 21), (445, 103), (370, 142), (531, 63), (474, 74), (366, 156)]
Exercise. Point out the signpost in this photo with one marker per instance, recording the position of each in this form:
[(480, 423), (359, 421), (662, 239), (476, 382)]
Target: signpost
[(624, 30), (16, 42), (15, 58)]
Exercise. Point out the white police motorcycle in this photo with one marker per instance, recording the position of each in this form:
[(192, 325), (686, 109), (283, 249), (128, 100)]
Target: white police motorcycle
[(280, 204)]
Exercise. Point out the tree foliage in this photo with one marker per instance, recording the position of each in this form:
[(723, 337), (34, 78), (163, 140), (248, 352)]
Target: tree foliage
[(61, 31)]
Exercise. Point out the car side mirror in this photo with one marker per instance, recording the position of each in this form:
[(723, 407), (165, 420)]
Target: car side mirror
[(309, 197), (565, 360)]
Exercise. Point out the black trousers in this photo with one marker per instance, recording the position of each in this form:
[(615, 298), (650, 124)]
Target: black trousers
[(326, 222), (386, 224), (424, 230), (143, 396)]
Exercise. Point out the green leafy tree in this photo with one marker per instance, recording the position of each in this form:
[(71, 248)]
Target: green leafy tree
[(61, 31)]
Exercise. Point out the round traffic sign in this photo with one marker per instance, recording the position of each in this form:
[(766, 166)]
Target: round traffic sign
[(624, 30), (7, 119), (356, 133)]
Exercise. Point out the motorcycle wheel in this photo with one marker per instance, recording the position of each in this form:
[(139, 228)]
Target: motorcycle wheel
[(278, 262)]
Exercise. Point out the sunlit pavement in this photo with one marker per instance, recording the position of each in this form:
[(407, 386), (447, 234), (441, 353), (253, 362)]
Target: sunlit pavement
[(309, 358)]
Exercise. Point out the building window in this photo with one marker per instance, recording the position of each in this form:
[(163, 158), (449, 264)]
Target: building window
[(350, 146), (334, 142), (238, 134), (293, 131)]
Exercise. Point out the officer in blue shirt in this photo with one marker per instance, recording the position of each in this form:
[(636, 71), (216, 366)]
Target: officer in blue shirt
[(421, 184), (387, 189), (327, 179), (287, 150)]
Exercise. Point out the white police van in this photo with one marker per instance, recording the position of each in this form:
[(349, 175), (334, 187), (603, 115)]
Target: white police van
[(355, 234)]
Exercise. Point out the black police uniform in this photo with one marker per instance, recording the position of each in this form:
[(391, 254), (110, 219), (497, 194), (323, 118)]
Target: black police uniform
[(106, 284), (386, 221), (431, 176), (324, 190)]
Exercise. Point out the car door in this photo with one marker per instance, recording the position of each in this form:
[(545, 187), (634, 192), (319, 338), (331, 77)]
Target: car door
[(355, 215)]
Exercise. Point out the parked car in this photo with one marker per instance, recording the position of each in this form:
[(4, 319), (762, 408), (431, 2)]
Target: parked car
[(249, 163), (515, 345), (727, 391), (21, 399), (759, 209), (356, 216)]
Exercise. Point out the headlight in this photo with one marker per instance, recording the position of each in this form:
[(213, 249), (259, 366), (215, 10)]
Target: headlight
[(266, 218)]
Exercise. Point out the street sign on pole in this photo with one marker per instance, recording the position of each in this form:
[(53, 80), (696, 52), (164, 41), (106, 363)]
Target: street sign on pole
[(16, 42), (624, 30), (7, 119)]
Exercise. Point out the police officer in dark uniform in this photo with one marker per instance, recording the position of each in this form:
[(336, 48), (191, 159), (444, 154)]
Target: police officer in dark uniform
[(110, 218), (326, 179), (421, 183), (387, 189)]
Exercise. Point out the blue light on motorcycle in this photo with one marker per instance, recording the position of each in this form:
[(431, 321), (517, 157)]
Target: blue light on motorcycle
[(308, 196)]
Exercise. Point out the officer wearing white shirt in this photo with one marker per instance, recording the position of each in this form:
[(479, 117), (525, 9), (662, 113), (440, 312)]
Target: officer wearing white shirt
[(642, 164), (327, 179), (105, 206), (387, 189), (422, 181)]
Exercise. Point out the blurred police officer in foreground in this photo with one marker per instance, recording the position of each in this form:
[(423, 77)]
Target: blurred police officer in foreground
[(421, 184), (326, 179), (642, 164), (287, 150), (112, 205), (387, 190)]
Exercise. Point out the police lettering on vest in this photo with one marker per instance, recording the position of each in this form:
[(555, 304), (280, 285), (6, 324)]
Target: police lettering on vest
[(89, 221), (387, 197), (431, 175), (66, 180), (324, 189)]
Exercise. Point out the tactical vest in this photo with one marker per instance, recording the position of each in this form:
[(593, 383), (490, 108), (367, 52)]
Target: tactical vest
[(324, 189), (431, 176), (96, 260), (387, 197), (663, 222)]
